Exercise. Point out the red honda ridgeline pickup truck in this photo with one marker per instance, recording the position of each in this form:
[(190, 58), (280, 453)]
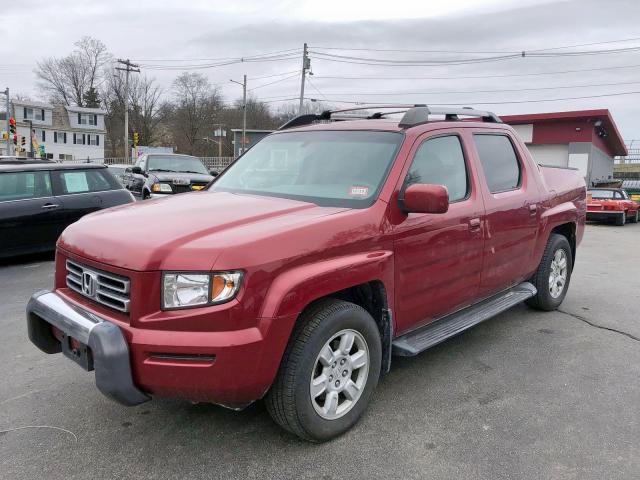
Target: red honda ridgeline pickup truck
[(320, 253)]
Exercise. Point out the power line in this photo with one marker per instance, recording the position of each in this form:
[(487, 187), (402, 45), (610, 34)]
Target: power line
[(462, 61), (444, 92), (360, 102), (215, 59), (465, 77), (474, 51), (275, 81)]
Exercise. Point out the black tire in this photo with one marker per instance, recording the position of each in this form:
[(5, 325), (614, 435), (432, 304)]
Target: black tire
[(289, 400), (145, 195), (634, 217), (544, 300), (621, 219)]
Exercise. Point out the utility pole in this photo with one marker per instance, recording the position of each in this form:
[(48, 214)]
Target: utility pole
[(30, 139), (6, 92), (130, 67), (306, 64), (244, 109)]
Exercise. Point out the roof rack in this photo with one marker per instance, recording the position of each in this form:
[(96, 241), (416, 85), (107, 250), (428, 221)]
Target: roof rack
[(413, 115)]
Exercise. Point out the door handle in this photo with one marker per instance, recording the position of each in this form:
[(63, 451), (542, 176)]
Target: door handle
[(50, 206), (533, 209), (474, 224)]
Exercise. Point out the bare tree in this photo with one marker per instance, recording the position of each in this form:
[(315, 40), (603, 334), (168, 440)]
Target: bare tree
[(145, 110), (68, 80), (195, 109)]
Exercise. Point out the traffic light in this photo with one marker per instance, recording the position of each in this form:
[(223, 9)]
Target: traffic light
[(15, 139), (135, 139), (12, 126), (22, 141)]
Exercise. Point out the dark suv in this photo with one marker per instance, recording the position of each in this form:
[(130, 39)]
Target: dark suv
[(159, 175)]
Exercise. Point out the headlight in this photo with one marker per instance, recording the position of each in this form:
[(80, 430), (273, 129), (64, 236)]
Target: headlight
[(161, 188), (184, 289)]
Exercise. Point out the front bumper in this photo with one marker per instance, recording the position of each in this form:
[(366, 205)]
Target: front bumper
[(132, 362), (109, 350)]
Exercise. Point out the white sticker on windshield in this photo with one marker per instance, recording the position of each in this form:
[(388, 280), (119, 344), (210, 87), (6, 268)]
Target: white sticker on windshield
[(359, 191)]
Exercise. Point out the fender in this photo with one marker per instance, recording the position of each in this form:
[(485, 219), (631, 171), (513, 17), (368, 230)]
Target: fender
[(296, 288), (565, 212)]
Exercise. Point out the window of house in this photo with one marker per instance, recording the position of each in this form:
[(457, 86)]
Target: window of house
[(38, 114), (59, 137), (27, 113), (24, 185), (87, 119), (43, 135), (94, 139), (440, 161), (79, 139), (499, 162)]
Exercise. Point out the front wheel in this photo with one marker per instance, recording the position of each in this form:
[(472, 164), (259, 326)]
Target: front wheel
[(328, 373), (553, 274), (621, 219), (634, 217)]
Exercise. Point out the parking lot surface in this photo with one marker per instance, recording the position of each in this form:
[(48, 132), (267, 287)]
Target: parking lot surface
[(525, 395)]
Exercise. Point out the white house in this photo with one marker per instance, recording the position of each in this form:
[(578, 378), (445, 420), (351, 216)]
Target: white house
[(67, 133)]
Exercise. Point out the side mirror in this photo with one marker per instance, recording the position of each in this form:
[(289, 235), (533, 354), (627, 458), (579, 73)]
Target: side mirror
[(127, 170), (425, 198), (136, 169), (213, 173)]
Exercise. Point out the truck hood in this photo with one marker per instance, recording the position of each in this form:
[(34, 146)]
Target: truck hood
[(187, 231)]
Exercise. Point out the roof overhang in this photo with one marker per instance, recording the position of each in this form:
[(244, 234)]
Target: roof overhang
[(614, 139)]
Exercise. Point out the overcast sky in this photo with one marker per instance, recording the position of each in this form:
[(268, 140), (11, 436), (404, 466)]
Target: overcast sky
[(189, 32)]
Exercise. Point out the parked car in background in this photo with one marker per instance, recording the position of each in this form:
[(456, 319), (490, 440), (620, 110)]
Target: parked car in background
[(159, 175), (332, 247), (611, 204), (39, 199), (117, 170)]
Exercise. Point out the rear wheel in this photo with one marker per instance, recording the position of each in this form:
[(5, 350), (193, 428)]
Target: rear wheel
[(621, 219), (553, 274), (328, 373)]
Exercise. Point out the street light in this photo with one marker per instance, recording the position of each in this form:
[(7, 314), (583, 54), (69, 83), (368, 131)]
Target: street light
[(244, 108)]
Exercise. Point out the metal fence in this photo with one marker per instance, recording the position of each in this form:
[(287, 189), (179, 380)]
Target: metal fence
[(212, 163), (633, 157)]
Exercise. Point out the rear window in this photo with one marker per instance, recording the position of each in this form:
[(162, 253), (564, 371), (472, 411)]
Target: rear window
[(24, 185), (499, 162), (82, 181)]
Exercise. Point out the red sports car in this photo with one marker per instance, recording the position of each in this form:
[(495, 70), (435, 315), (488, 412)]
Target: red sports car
[(611, 204)]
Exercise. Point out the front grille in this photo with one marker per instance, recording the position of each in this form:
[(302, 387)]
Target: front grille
[(101, 287), (181, 188)]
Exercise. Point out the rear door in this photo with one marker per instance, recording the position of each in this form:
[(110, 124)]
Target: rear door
[(438, 257), (82, 191), (511, 200), (30, 216)]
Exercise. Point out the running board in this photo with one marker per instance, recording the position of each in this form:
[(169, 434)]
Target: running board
[(438, 331)]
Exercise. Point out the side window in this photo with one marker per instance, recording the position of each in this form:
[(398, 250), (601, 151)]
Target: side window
[(499, 162), (440, 161), (24, 185), (82, 181)]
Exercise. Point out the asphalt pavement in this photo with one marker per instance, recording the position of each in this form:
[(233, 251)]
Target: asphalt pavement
[(528, 395)]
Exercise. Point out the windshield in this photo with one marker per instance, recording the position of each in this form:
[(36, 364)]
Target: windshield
[(171, 163), (328, 168)]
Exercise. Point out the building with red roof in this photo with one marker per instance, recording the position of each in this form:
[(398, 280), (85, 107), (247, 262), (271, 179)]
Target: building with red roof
[(587, 140)]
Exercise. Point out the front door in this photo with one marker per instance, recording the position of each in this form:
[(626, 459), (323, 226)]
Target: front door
[(30, 216), (438, 257), (512, 212)]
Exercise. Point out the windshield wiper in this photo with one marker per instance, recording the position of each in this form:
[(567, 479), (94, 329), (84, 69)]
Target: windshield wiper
[(191, 171), (162, 170)]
